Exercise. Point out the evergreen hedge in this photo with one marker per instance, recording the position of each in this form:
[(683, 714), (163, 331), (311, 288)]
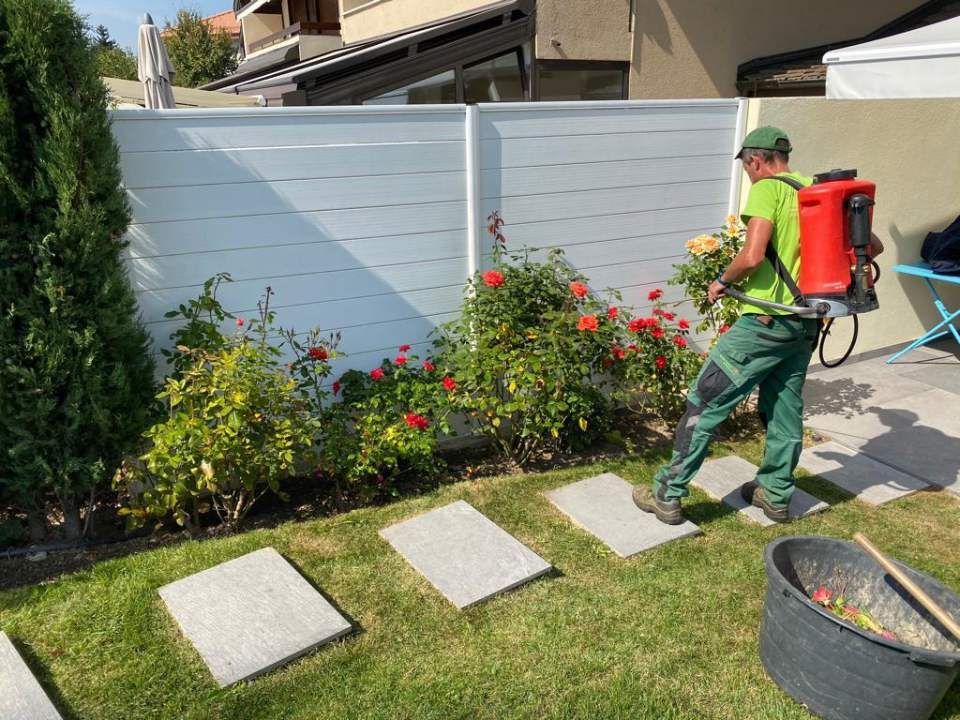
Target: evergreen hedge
[(76, 374)]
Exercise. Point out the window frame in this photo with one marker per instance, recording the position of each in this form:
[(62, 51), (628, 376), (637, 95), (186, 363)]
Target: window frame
[(575, 65)]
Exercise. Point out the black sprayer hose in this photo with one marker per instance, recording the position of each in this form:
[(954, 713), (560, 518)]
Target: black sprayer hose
[(825, 331)]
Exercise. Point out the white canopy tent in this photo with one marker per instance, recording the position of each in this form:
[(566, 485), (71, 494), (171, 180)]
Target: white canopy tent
[(920, 63)]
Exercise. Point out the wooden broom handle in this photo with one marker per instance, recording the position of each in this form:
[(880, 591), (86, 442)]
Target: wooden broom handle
[(911, 587)]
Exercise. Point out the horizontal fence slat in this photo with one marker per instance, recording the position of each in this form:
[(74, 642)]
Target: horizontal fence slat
[(598, 203), (512, 182), (541, 151), (390, 283), (544, 122), (226, 233), (270, 129), (238, 165), (179, 270), (294, 196)]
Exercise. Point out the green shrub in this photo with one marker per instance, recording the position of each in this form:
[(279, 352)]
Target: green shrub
[(76, 377), (237, 428), (386, 425)]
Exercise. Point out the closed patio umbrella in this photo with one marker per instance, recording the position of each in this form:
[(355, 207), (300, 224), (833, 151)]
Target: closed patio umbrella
[(153, 67)]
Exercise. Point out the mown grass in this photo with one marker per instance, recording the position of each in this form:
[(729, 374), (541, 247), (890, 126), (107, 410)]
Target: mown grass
[(670, 634)]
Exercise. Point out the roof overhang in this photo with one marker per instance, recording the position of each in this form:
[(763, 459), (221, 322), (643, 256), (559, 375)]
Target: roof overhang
[(249, 8)]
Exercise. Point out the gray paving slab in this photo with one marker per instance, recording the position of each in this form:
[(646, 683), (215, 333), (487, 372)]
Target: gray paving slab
[(21, 697), (869, 480), (603, 506), (721, 479), (464, 554), (945, 376), (252, 614), (918, 434)]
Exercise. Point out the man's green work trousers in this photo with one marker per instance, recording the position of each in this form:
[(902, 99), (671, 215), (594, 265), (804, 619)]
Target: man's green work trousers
[(751, 353)]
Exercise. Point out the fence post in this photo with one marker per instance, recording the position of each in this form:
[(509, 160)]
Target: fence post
[(472, 143), (733, 203)]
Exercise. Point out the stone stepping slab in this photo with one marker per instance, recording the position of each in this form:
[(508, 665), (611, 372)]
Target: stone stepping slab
[(252, 614), (860, 475), (603, 506), (721, 479), (21, 697), (464, 555)]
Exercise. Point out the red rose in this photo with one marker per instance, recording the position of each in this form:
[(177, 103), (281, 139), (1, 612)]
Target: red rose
[(493, 278), (449, 383), (723, 328), (404, 348), (679, 341), (376, 374), (822, 596), (655, 295), (667, 315), (418, 422), (588, 322), (618, 352), (400, 360), (657, 333), (636, 325), (661, 362), (606, 363), (240, 322), (612, 312), (429, 366), (683, 324), (317, 353), (579, 289), (336, 387), (634, 347)]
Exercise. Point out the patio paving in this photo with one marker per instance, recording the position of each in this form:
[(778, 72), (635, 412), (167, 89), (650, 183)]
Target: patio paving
[(603, 506), (464, 554), (722, 479), (21, 697), (904, 415), (252, 614)]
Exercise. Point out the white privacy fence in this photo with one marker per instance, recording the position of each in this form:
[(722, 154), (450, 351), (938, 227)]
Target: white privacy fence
[(367, 220)]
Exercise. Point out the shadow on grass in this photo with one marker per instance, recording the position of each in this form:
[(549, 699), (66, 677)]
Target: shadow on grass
[(42, 674), (356, 628)]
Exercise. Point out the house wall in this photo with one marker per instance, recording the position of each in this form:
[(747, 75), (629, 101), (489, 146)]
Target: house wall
[(905, 147), (257, 26), (584, 29), (362, 19), (691, 48), (357, 218)]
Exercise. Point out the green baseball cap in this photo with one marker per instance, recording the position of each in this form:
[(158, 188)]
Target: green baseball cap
[(766, 137)]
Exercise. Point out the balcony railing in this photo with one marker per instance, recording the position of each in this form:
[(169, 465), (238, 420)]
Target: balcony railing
[(303, 27)]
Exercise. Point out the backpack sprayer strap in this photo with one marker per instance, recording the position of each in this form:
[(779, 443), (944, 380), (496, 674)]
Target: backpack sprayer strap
[(774, 258)]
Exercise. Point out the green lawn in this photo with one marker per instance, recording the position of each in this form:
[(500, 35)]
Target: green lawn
[(671, 633)]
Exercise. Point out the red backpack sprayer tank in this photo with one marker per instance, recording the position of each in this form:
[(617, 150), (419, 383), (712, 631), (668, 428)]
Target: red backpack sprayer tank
[(837, 273)]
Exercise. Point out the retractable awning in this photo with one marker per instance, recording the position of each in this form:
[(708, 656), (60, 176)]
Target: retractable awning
[(920, 63)]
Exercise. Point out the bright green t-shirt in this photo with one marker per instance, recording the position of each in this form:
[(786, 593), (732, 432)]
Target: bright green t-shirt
[(777, 202)]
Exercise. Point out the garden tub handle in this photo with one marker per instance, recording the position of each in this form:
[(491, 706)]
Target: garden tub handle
[(932, 659)]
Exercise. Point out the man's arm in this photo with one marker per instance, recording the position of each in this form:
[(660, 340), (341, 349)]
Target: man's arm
[(750, 257)]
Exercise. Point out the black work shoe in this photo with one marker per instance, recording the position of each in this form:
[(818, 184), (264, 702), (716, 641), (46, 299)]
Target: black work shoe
[(754, 495), (667, 511)]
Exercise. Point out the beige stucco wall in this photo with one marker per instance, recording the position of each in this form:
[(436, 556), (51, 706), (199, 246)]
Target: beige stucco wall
[(691, 48), (905, 146), (360, 20), (584, 29)]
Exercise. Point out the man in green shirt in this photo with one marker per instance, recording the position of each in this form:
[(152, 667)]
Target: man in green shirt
[(766, 348)]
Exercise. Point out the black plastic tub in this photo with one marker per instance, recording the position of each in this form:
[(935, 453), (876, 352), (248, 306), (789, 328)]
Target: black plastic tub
[(835, 669)]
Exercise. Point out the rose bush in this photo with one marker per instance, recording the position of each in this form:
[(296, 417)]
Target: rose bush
[(386, 424), (708, 255)]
